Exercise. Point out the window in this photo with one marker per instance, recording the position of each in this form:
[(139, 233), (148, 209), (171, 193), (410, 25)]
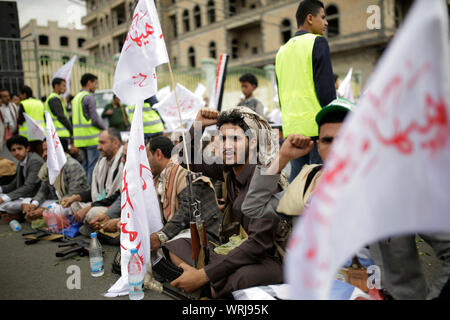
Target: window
[(43, 40), (197, 17), (332, 14), (212, 50), (131, 9), (109, 50), (107, 22), (211, 12), (186, 21), (44, 60), (173, 22), (81, 42), (65, 59), (191, 57), (234, 49), (64, 41), (232, 8), (285, 30), (82, 60), (101, 26)]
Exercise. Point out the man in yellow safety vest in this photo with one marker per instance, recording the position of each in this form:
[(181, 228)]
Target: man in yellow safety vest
[(86, 122), (305, 78), (35, 109), (56, 106), (153, 123)]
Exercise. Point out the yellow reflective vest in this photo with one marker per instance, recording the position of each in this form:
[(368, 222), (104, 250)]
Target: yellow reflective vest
[(151, 119), (35, 109), (296, 89), (60, 129), (84, 133)]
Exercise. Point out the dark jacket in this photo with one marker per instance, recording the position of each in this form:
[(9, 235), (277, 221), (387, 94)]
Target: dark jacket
[(23, 188)]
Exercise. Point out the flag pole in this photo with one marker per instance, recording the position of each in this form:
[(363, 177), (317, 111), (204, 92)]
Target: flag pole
[(179, 115)]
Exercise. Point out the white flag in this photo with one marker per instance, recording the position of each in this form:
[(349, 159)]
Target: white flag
[(35, 131), (162, 93), (200, 90), (144, 49), (389, 170), (190, 104), (55, 153), (345, 88), (140, 214), (64, 73)]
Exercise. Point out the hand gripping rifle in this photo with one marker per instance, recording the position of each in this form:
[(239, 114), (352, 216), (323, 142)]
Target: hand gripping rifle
[(200, 251)]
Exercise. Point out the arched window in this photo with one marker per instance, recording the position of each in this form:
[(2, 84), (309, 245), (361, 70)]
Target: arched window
[(43, 40), (191, 56), (212, 50), (197, 16), (333, 20), (234, 49), (64, 41), (211, 12), (186, 21), (285, 30)]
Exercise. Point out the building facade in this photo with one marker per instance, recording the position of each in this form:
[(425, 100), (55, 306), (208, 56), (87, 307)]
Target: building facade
[(250, 31)]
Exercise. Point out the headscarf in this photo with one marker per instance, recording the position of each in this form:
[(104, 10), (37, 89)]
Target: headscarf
[(268, 146)]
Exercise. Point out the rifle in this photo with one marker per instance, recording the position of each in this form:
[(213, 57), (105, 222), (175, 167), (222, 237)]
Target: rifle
[(76, 245), (200, 251)]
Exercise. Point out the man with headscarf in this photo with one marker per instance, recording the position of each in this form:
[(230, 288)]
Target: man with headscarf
[(245, 139)]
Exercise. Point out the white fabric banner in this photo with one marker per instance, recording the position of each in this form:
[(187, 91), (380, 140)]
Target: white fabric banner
[(144, 49), (190, 104), (389, 169), (64, 73), (55, 153), (140, 214), (35, 131), (345, 88)]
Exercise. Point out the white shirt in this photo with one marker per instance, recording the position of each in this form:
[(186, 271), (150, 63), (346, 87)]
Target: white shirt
[(9, 115)]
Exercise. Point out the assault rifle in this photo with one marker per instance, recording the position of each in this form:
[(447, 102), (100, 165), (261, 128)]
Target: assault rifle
[(200, 251)]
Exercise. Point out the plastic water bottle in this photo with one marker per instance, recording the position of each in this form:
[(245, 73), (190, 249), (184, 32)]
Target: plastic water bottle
[(52, 222), (135, 277), (96, 256), (15, 225)]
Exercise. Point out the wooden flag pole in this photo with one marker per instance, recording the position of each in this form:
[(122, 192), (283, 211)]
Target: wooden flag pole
[(179, 116)]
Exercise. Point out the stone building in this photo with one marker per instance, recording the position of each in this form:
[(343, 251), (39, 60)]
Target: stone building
[(55, 47)]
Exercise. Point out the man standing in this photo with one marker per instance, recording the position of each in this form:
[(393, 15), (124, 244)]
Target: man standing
[(35, 109), (115, 112), (153, 124), (56, 106), (87, 125), (305, 78), (8, 124)]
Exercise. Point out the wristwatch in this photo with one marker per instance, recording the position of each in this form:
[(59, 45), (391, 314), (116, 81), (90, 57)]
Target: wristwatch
[(162, 237)]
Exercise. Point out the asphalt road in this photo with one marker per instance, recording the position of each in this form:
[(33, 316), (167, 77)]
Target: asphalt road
[(34, 272)]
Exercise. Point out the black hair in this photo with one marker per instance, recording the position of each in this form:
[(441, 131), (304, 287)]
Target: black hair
[(114, 134), (57, 81), (162, 143), (85, 78), (234, 117), (65, 145), (151, 100), (335, 77), (17, 139), (250, 78), (4, 89), (337, 116), (27, 90), (307, 7)]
